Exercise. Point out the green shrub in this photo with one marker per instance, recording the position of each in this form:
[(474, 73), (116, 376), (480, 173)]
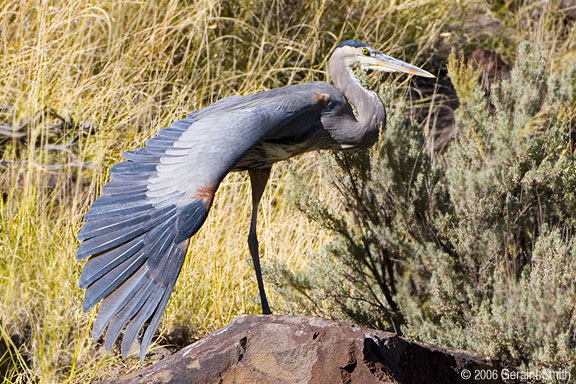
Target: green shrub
[(474, 250)]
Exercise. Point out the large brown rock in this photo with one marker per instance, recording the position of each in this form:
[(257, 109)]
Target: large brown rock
[(284, 349)]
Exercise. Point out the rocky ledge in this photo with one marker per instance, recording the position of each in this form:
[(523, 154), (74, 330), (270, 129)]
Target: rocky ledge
[(259, 349)]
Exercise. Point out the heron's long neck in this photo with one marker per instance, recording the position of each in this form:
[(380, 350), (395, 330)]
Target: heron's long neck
[(369, 108)]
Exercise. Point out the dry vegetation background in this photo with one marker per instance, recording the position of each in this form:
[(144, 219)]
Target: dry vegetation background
[(82, 81)]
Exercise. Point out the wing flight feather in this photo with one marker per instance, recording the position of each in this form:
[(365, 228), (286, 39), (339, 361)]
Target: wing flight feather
[(136, 235)]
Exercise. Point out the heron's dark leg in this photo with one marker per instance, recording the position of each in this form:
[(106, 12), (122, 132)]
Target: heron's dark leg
[(258, 180)]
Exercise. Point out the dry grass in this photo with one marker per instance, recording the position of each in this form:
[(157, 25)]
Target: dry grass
[(129, 68)]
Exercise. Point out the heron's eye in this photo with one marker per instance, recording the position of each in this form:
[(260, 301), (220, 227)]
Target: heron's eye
[(365, 51)]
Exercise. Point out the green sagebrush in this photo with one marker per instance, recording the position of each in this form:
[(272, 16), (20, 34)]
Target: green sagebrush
[(474, 250)]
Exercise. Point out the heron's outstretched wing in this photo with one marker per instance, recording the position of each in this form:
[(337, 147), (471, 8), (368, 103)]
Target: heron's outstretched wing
[(137, 233)]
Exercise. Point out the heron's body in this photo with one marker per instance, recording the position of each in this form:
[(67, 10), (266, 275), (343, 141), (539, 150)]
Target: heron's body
[(307, 132), (137, 233)]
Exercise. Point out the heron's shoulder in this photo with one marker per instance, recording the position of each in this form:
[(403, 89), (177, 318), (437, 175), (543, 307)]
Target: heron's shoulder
[(288, 96), (317, 91)]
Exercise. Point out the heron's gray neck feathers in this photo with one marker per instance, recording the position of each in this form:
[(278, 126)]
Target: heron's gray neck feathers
[(369, 108), (364, 100)]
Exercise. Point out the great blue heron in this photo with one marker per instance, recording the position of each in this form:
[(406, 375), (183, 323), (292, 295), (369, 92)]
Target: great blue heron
[(138, 232)]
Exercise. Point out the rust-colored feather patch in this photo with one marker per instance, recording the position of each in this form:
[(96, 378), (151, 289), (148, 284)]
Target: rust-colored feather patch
[(205, 193), (322, 98)]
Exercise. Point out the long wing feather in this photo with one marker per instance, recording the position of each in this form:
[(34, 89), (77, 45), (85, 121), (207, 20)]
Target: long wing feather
[(137, 233)]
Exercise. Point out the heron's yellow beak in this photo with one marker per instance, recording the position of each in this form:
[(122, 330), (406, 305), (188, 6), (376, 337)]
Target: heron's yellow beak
[(382, 62)]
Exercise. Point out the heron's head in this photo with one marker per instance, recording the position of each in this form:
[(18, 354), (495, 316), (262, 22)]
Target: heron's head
[(355, 53)]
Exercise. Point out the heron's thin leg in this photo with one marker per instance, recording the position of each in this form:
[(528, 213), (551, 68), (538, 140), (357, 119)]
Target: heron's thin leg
[(258, 180)]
